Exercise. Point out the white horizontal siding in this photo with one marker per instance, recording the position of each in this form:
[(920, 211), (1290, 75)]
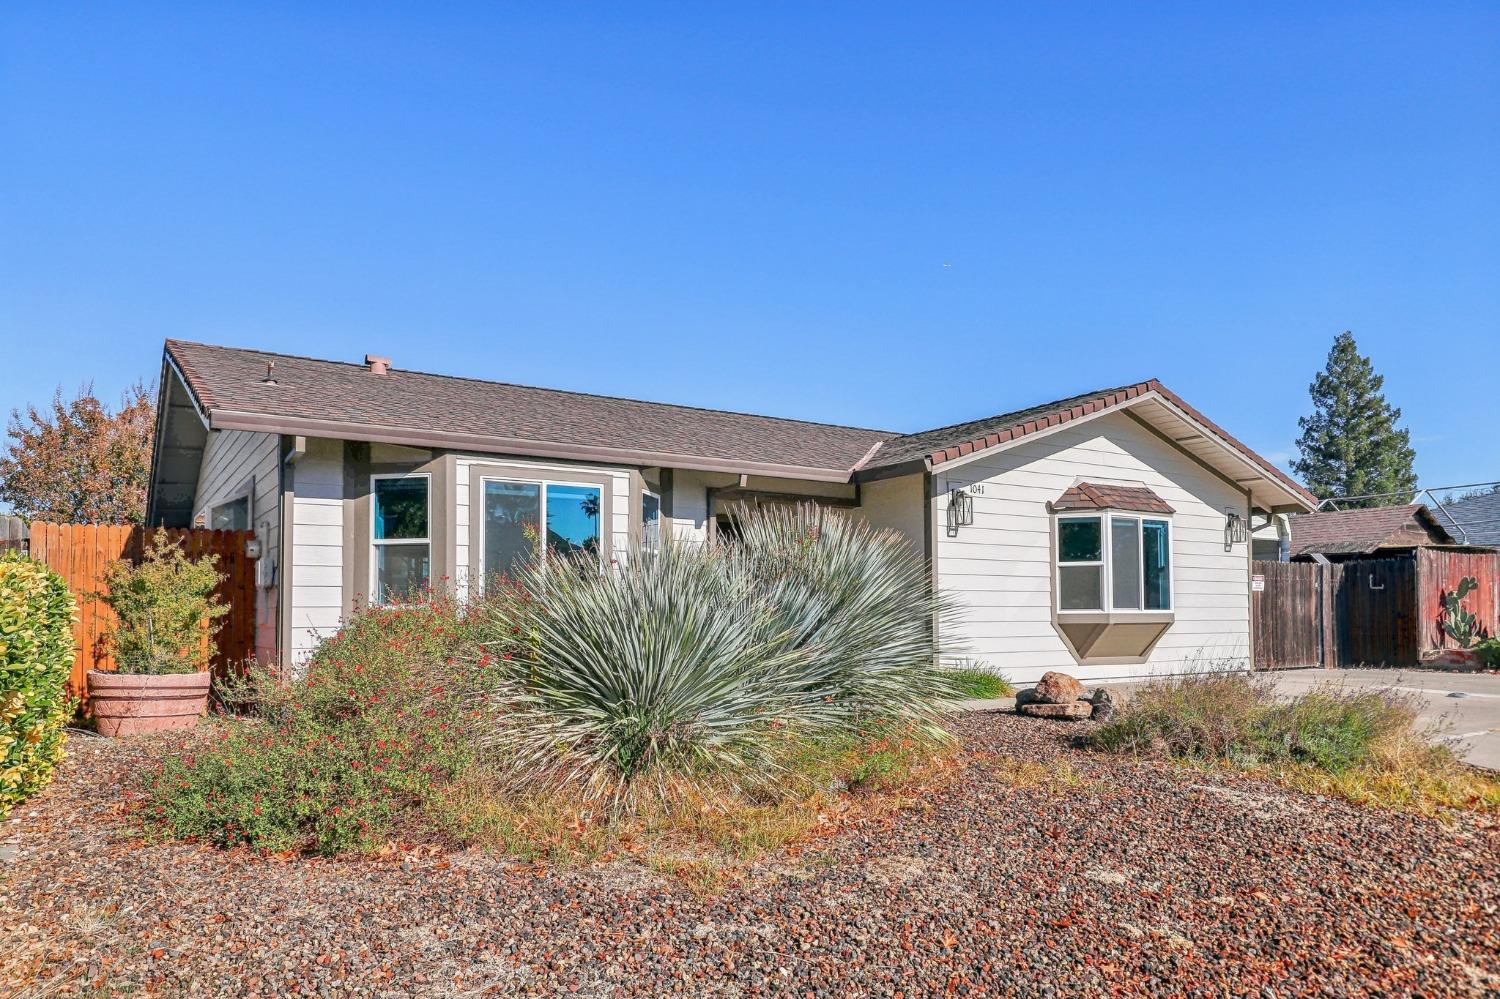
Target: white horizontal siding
[(999, 571), (317, 600)]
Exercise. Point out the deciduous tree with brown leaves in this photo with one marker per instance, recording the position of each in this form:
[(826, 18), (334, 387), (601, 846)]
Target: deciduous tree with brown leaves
[(77, 462)]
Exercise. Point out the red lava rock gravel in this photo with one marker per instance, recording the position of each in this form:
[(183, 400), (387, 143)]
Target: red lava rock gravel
[(1110, 878)]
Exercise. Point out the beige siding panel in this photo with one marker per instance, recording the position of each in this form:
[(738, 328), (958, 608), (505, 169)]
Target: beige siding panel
[(1000, 570), (895, 504)]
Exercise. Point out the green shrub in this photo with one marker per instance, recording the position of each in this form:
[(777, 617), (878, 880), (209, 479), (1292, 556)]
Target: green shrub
[(979, 683), (1363, 745), (709, 660), (36, 656), (384, 716), (1488, 652), (163, 603)]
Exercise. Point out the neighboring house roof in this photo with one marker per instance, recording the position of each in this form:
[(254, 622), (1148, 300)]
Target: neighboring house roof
[(1100, 496), (321, 398), (1474, 520), (1359, 532)]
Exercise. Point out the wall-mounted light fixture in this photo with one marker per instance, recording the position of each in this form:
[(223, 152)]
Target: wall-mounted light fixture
[(1234, 529), (960, 510)]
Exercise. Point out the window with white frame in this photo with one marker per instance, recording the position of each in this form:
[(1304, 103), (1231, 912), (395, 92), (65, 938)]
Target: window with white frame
[(1113, 562), (400, 536), (515, 512)]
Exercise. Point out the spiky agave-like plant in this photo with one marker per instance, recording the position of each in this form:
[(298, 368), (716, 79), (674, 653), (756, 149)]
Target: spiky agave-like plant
[(710, 660), (859, 599)]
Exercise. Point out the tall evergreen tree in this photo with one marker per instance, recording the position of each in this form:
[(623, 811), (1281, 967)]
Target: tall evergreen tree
[(1350, 445)]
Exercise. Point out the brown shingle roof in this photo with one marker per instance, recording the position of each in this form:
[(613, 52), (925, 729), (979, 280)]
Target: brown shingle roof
[(1100, 496), (949, 443), (337, 399), (456, 411), (1359, 532)]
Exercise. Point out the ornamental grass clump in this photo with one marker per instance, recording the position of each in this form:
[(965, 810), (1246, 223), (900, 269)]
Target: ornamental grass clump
[(344, 756), (710, 663), (36, 656), (1365, 745)]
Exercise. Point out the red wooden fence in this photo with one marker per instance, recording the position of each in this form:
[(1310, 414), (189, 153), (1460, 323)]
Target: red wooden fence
[(80, 552), (1438, 573)]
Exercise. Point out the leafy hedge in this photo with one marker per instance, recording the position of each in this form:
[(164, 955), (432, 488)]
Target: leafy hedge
[(36, 655), (341, 757)]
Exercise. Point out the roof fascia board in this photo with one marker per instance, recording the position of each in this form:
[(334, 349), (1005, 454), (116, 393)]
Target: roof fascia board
[(1253, 466), (1036, 435), (915, 466), (223, 419)]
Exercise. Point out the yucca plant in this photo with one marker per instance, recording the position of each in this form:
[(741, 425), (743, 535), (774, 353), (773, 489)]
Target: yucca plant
[(710, 661)]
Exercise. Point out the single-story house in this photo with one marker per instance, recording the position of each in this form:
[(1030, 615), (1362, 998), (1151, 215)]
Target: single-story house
[(1104, 534), (1376, 532)]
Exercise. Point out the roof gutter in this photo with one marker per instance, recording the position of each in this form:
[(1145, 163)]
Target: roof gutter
[(227, 419)]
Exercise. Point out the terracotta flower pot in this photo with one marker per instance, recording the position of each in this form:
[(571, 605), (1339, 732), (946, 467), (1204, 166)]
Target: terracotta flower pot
[(131, 703)]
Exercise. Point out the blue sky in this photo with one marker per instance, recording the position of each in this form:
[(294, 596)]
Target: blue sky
[(889, 216)]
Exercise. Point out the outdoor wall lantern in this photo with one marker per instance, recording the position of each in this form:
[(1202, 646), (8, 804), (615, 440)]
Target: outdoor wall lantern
[(1234, 529), (960, 510)]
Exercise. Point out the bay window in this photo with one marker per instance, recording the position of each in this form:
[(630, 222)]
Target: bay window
[(1113, 562), (400, 536)]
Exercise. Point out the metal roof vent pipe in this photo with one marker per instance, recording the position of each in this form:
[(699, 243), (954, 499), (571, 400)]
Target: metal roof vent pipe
[(378, 365)]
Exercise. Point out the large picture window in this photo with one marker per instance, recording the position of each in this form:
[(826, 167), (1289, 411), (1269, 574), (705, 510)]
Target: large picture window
[(400, 537), (1116, 562), (514, 514)]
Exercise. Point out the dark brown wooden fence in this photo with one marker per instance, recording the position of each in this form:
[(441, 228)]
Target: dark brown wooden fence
[(80, 552), (1286, 616), (1350, 614)]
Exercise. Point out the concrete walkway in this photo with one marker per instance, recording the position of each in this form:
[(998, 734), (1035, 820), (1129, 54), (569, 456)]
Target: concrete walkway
[(1464, 706)]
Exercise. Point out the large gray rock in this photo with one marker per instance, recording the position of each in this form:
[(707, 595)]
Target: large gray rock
[(1072, 711), (1058, 688)]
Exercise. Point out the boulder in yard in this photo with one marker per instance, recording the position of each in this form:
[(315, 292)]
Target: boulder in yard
[(1058, 688), (1071, 711)]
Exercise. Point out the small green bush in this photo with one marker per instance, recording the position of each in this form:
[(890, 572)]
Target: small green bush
[(1488, 652), (340, 758), (1363, 745), (163, 604), (36, 656)]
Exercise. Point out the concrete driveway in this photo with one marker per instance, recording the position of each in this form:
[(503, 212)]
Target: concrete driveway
[(1466, 705)]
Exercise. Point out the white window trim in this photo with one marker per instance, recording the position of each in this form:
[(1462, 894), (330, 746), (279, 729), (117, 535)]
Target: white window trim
[(376, 595), (543, 483), (1106, 551)]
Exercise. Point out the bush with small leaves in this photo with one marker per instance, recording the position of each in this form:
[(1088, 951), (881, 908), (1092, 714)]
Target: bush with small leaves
[(36, 656)]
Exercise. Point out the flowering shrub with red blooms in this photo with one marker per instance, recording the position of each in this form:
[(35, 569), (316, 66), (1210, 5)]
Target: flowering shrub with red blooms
[(338, 759)]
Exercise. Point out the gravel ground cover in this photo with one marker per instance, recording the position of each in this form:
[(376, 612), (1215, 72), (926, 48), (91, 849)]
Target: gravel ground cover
[(1038, 869)]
